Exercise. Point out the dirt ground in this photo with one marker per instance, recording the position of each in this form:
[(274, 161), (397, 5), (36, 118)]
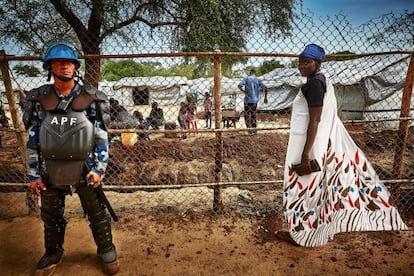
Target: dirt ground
[(192, 245), (198, 243)]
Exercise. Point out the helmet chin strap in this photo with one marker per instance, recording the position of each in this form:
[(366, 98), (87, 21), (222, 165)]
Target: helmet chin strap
[(60, 77)]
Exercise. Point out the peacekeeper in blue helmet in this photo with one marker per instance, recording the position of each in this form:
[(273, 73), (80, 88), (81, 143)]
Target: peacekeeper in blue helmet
[(67, 151)]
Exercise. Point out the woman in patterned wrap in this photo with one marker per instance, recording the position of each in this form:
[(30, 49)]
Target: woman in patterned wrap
[(346, 194)]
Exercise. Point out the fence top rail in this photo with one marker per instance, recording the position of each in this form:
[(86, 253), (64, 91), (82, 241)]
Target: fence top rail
[(5, 57)]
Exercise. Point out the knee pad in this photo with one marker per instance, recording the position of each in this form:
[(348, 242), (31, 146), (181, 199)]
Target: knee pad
[(91, 204), (53, 206), (100, 223), (52, 209)]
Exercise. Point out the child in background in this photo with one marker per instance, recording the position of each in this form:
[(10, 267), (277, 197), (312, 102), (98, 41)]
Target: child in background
[(191, 111), (208, 108), (182, 119)]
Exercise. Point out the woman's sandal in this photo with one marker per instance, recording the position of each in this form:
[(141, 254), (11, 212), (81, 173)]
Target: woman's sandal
[(285, 236)]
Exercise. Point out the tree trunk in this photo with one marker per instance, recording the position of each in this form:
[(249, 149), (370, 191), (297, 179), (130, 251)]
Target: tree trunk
[(92, 65), (92, 71)]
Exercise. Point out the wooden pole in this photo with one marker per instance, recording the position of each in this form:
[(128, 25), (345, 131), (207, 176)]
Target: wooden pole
[(13, 106), (218, 168), (17, 124), (402, 138)]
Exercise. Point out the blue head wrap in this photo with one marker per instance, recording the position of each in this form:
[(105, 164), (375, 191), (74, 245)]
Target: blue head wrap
[(313, 51)]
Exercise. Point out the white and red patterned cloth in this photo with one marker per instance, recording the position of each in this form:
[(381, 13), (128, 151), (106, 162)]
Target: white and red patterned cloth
[(346, 195)]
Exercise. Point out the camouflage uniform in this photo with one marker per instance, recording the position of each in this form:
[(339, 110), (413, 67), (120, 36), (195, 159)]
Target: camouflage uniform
[(42, 103)]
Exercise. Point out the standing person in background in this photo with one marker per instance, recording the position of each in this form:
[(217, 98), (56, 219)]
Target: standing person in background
[(191, 112), (251, 86), (3, 120), (208, 108), (67, 151), (345, 194), (182, 119)]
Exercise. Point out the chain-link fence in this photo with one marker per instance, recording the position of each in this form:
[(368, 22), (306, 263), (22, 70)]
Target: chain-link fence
[(212, 163)]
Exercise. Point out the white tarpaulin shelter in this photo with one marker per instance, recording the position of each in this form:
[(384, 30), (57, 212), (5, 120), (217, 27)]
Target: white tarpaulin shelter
[(24, 83), (145, 90), (366, 88)]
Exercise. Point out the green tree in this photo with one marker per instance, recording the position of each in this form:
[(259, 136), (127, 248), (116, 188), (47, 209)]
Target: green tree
[(264, 68), (193, 25), (294, 63), (187, 70), (26, 70), (268, 66), (116, 70)]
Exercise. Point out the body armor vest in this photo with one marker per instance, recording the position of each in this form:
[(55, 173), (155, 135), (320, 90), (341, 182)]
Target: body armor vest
[(66, 139), (66, 134)]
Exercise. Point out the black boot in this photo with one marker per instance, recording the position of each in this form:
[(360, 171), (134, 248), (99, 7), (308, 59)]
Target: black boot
[(49, 261), (109, 260), (54, 238), (100, 224)]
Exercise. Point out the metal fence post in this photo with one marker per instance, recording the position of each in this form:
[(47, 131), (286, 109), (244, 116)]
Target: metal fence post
[(401, 144), (218, 167)]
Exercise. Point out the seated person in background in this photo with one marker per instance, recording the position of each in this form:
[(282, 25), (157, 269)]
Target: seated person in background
[(156, 117), (115, 109), (141, 124)]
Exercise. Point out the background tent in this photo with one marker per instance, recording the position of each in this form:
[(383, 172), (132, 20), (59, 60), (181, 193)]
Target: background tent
[(24, 83), (145, 90), (366, 88), (229, 91)]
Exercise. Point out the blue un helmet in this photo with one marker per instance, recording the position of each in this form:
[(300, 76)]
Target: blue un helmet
[(60, 50), (313, 51)]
